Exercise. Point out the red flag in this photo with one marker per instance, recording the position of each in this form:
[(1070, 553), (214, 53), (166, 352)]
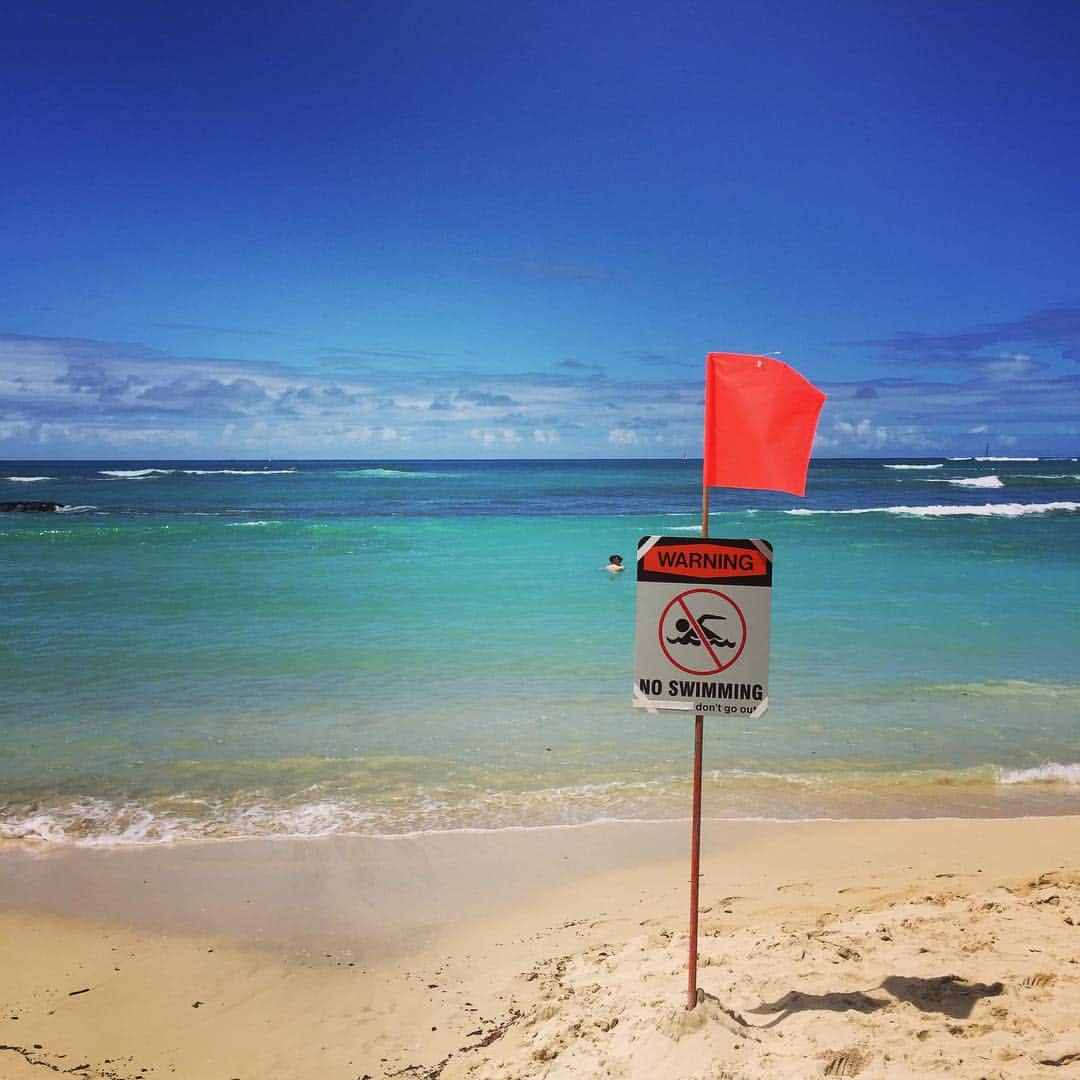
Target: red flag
[(760, 419)]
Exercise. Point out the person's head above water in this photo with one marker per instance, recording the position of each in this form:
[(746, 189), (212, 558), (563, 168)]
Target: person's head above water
[(615, 563)]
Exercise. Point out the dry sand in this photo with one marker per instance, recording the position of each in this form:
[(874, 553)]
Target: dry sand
[(870, 949)]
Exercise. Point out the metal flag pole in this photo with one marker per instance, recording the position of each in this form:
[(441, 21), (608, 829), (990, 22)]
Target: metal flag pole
[(770, 413), (695, 812)]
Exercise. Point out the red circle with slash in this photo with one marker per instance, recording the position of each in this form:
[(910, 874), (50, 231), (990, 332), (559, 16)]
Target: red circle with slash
[(684, 625)]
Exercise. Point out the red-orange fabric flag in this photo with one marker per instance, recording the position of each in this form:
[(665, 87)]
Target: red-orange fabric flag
[(760, 419)]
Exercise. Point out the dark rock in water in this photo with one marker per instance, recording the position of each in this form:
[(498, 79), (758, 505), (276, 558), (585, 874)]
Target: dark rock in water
[(29, 507)]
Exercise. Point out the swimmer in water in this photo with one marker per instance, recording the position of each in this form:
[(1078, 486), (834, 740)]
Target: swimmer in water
[(614, 565)]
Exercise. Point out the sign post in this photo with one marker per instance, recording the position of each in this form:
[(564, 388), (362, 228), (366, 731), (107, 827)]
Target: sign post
[(695, 861), (702, 645), (703, 606)]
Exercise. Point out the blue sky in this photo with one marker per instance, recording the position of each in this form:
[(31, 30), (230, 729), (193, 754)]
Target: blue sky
[(515, 229)]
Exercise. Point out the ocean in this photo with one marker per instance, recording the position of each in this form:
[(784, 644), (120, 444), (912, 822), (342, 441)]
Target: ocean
[(225, 649)]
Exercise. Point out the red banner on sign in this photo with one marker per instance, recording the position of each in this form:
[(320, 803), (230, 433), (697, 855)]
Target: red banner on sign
[(700, 562)]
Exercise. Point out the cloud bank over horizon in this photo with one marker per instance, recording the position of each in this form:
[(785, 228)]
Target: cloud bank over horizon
[(73, 397)]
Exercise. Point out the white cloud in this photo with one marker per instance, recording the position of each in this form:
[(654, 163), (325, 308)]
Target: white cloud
[(365, 434), (63, 438), (623, 437), (488, 437), (18, 429), (140, 438), (358, 435), (1009, 366), (865, 433), (867, 436)]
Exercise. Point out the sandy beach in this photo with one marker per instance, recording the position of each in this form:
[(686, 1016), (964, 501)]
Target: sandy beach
[(871, 949)]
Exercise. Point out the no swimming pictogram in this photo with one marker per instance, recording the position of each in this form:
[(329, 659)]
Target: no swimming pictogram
[(702, 631)]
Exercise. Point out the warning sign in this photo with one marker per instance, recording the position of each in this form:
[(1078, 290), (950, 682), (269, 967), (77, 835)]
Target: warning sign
[(703, 612)]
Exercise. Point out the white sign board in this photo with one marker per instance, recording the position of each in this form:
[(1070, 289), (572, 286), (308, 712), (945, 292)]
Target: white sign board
[(703, 612)]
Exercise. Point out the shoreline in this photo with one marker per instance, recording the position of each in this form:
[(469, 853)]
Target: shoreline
[(884, 948), (1048, 789)]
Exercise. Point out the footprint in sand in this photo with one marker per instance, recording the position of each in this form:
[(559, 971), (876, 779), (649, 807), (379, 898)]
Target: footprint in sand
[(845, 1063)]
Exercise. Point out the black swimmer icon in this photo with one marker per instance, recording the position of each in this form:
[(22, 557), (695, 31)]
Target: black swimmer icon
[(689, 635), (688, 640)]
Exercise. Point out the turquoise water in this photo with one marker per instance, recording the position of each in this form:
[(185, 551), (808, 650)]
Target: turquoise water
[(220, 649)]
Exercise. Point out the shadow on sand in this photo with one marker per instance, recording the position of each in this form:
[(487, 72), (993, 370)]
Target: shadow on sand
[(948, 994)]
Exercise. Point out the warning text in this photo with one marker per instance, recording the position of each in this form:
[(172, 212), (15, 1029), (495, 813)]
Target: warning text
[(697, 562)]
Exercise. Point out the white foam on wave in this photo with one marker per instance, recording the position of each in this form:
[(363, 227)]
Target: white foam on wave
[(236, 472), (134, 474), (97, 822), (994, 458), (94, 822), (1050, 773), (1008, 510), (28, 479), (391, 474), (1010, 688), (971, 481), (74, 509), (937, 466), (232, 524), (319, 818), (797, 779), (142, 474)]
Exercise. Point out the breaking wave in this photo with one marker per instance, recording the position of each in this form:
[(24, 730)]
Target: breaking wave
[(236, 472), (142, 474), (1007, 510), (971, 481), (390, 474), (733, 793), (134, 474), (1050, 773)]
